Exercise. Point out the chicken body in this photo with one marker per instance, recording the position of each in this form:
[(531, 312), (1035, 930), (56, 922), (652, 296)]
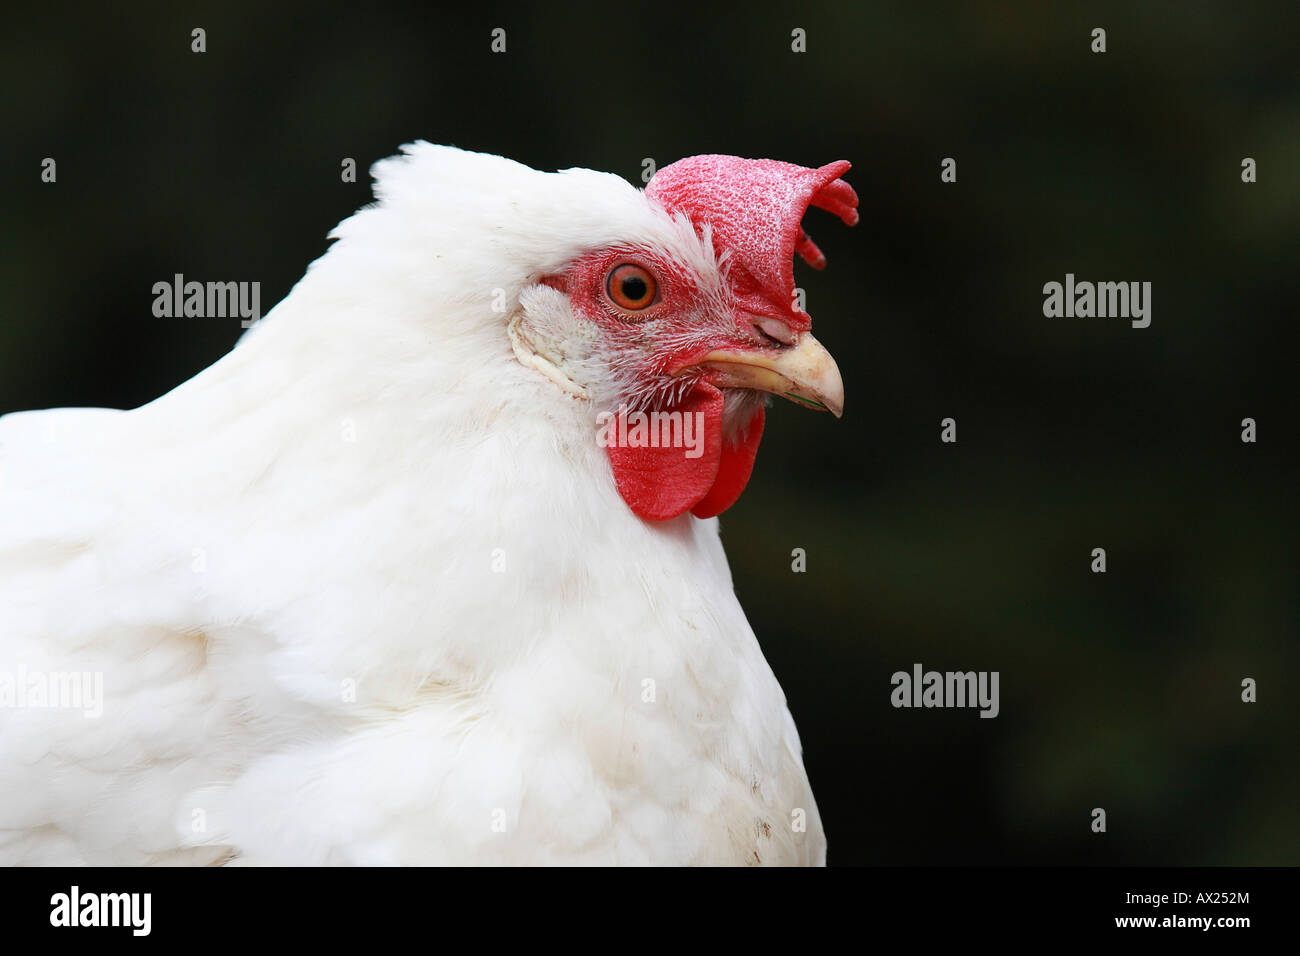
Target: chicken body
[(365, 591)]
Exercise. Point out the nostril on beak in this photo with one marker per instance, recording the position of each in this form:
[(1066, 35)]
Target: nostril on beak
[(774, 329)]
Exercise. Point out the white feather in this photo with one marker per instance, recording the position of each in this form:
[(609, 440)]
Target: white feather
[(370, 496)]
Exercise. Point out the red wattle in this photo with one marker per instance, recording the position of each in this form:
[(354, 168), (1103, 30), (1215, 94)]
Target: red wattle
[(733, 471), (662, 483)]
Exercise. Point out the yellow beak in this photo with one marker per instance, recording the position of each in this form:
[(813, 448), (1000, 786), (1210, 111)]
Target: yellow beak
[(804, 373)]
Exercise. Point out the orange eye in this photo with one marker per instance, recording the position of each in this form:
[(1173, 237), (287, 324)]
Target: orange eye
[(631, 287)]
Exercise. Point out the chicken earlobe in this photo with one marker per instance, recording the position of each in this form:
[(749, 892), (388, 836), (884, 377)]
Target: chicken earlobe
[(532, 353)]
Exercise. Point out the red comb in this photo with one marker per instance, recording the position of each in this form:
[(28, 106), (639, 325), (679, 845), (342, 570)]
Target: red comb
[(754, 209)]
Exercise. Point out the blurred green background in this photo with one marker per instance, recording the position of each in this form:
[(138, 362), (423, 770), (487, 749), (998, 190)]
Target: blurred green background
[(1119, 690)]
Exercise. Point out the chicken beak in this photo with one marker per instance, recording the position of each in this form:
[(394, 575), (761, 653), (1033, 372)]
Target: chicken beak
[(804, 373)]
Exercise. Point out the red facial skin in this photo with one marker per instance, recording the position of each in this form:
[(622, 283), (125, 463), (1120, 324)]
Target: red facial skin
[(656, 349), (752, 210), (679, 327)]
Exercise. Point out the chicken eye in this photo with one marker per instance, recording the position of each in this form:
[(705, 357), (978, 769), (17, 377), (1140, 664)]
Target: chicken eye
[(631, 287)]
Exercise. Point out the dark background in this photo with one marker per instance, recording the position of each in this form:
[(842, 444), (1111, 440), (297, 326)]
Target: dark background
[(1119, 690)]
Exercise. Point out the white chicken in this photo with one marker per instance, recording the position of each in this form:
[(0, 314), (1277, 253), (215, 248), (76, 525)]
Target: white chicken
[(372, 589)]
